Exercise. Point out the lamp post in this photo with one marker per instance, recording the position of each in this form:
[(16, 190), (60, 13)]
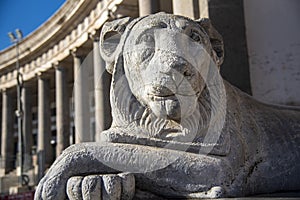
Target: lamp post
[(15, 39)]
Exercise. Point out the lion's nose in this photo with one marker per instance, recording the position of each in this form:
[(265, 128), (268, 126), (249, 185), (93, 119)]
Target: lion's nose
[(182, 67)]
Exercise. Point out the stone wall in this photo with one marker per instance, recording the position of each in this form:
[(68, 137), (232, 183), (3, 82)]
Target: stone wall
[(274, 49)]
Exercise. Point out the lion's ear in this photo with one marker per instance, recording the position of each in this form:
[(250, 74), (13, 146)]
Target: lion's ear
[(110, 40), (216, 39)]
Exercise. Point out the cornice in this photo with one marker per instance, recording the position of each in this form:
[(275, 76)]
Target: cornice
[(38, 36), (69, 28)]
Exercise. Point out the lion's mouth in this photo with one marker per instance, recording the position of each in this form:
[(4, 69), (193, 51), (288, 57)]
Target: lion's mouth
[(161, 97), (158, 92), (162, 94)]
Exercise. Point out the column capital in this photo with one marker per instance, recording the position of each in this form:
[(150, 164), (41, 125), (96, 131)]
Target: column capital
[(7, 90), (3, 89), (94, 35), (38, 74), (41, 74), (27, 84), (74, 52), (55, 64), (110, 13), (77, 52)]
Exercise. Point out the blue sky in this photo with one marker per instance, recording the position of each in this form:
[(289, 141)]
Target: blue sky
[(26, 15)]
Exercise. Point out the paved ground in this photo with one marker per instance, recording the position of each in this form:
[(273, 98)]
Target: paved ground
[(140, 195)]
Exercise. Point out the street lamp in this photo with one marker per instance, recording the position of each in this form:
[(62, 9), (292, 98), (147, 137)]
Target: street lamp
[(15, 39)]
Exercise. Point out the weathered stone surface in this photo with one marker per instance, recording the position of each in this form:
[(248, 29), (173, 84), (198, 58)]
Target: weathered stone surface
[(91, 187), (74, 188), (111, 187), (128, 186), (179, 130)]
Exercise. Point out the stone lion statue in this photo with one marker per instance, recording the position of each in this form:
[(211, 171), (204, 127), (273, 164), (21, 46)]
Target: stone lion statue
[(179, 130)]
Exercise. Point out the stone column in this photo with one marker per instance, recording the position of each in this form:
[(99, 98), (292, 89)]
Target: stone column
[(62, 110), (44, 149), (228, 18), (185, 8), (101, 87), (7, 137), (203, 9), (81, 101), (27, 127), (147, 7), (166, 6)]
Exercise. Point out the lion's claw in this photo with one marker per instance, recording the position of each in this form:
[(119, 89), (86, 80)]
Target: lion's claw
[(91, 187), (108, 186), (74, 188)]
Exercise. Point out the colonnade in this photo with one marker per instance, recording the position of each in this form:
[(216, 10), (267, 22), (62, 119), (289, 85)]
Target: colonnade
[(59, 76)]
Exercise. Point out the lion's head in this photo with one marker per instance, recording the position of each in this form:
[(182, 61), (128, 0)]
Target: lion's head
[(160, 66)]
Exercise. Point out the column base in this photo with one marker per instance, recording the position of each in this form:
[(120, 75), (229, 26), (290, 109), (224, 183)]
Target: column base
[(18, 189), (18, 170), (2, 172)]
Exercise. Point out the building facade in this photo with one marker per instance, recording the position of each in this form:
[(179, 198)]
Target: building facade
[(65, 89)]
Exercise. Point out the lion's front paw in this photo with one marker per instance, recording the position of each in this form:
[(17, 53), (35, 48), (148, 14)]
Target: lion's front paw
[(108, 186)]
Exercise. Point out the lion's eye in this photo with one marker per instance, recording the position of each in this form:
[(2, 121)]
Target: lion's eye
[(195, 36), (145, 38), (147, 54)]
